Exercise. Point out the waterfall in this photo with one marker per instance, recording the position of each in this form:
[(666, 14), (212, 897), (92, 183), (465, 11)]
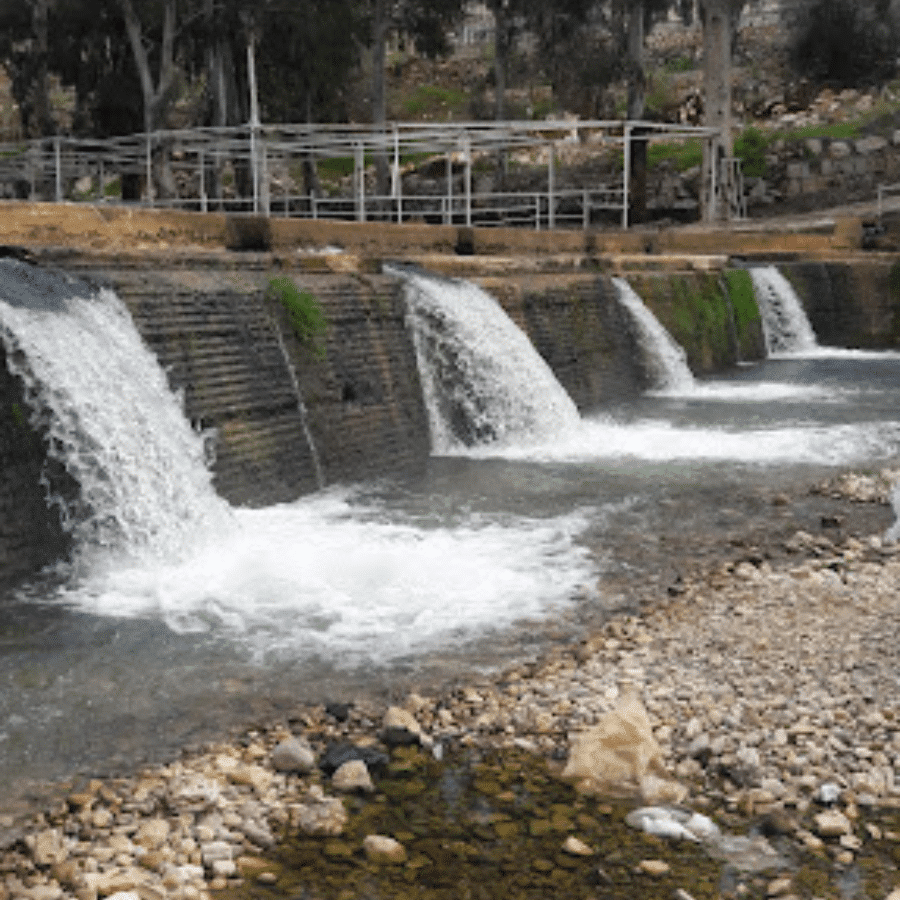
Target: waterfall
[(785, 324), (482, 379), (109, 414), (664, 360)]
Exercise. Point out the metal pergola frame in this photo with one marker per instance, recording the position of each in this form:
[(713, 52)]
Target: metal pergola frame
[(49, 165)]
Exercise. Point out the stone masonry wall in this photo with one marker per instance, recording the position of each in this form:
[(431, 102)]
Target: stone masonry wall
[(851, 304)]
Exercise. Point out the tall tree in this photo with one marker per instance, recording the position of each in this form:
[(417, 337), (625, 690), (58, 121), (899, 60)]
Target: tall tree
[(426, 23), (719, 19)]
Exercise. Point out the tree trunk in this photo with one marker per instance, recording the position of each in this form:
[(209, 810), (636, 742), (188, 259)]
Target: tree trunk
[(637, 82), (716, 16), (43, 119), (501, 55), (379, 92), (156, 96)]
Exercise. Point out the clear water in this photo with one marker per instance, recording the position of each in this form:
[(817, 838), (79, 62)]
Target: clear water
[(150, 641)]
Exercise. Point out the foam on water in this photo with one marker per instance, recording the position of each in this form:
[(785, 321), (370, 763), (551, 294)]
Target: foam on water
[(660, 441), (331, 577), (758, 392)]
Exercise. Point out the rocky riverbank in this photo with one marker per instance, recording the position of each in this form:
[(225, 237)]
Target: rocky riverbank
[(771, 690)]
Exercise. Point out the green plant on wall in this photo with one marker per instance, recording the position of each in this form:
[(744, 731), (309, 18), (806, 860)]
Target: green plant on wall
[(304, 310), (750, 148)]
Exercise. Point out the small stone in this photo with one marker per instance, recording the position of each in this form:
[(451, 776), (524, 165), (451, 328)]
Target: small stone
[(152, 833), (832, 823), (326, 817), (257, 777), (577, 847), (215, 851), (352, 776), (654, 867), (47, 847), (224, 868), (382, 849), (400, 728), (293, 755), (267, 878), (778, 887)]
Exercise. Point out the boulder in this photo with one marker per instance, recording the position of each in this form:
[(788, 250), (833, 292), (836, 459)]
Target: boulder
[(619, 757)]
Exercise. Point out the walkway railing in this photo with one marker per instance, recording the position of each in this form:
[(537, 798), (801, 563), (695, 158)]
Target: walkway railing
[(257, 169)]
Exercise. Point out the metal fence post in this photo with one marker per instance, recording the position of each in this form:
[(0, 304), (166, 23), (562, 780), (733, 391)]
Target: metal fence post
[(551, 187), (57, 165), (359, 170), (626, 173), (467, 147)]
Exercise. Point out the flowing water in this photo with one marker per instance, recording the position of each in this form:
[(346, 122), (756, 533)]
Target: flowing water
[(180, 616)]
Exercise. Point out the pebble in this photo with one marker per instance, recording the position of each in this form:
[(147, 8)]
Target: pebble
[(293, 755), (655, 867)]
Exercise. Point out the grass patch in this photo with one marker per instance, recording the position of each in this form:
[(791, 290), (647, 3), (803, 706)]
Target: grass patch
[(434, 101), (683, 154), (304, 310)]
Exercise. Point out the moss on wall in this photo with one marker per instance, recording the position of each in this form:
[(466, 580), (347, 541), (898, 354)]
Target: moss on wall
[(747, 321), (694, 309)]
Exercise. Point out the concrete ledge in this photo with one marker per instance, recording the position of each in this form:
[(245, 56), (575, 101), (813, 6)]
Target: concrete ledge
[(109, 228)]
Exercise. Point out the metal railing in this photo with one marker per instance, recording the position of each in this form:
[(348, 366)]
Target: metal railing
[(257, 168)]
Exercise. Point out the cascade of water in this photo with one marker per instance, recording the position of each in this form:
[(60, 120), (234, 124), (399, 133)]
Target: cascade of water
[(482, 379), (664, 359), (110, 417), (785, 325)]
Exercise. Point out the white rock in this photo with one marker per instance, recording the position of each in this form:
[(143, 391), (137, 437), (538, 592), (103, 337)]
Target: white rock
[(380, 848), (352, 776), (293, 755)]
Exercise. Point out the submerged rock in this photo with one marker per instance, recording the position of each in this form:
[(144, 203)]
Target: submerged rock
[(382, 849)]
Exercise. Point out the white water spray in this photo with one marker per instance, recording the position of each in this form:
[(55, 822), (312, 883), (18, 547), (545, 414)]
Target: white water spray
[(785, 325), (115, 426), (483, 381), (325, 575), (664, 360)]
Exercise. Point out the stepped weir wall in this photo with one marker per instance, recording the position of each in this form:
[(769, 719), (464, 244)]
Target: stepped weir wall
[(232, 352)]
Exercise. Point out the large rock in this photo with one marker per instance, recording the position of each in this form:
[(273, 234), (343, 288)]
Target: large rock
[(620, 757)]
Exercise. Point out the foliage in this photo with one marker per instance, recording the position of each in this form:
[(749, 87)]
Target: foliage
[(846, 42), (683, 154), (305, 312), (750, 148)]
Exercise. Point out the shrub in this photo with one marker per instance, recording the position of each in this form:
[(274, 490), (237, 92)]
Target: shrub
[(306, 315), (750, 148)]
